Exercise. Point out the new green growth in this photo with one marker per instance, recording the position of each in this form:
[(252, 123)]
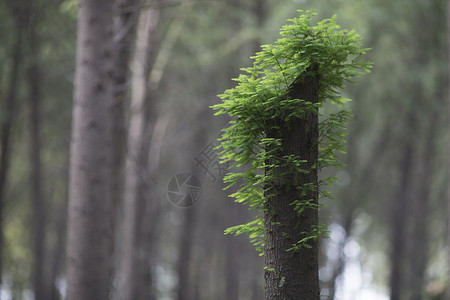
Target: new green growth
[(260, 97)]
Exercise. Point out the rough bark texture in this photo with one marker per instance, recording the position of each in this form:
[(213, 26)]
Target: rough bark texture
[(89, 232), (295, 274)]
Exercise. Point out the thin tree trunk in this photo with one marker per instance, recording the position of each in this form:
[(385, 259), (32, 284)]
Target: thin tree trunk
[(137, 157), (448, 146), (6, 125), (399, 216), (293, 275), (58, 253), (419, 236), (124, 34), (89, 228), (184, 290), (151, 215), (37, 201)]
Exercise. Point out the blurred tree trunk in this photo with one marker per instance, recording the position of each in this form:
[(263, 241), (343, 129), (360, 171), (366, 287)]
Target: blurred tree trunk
[(125, 23), (400, 212), (186, 278), (233, 259), (137, 159), (90, 208), (124, 33), (151, 214), (293, 275), (185, 284), (419, 238), (448, 149), (9, 107), (58, 253), (418, 255), (37, 201)]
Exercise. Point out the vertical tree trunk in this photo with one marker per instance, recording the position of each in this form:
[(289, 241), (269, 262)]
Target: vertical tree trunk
[(398, 225), (448, 163), (294, 275), (185, 291), (400, 212), (137, 157), (89, 228), (58, 253), (418, 255), (37, 201), (124, 34), (9, 109)]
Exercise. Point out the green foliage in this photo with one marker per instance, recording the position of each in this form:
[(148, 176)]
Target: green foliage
[(260, 98)]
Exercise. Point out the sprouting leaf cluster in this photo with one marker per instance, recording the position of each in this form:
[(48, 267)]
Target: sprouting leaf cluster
[(259, 98)]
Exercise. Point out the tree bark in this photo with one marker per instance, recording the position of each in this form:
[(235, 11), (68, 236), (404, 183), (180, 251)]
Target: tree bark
[(293, 275), (89, 228)]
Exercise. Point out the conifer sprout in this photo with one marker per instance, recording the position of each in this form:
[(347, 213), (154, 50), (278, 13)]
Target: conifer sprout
[(260, 100)]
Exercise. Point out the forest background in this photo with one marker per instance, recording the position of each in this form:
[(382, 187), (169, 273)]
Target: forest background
[(388, 219)]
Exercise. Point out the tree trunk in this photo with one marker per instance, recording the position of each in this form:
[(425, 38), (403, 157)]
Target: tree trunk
[(400, 213), (37, 201), (184, 290), (418, 255), (293, 275), (448, 163), (89, 228), (124, 34), (9, 109), (58, 253), (137, 158)]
